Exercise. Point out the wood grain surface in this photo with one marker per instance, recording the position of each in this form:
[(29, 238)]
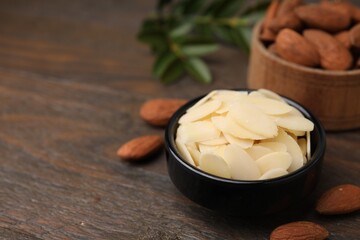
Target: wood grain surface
[(72, 80)]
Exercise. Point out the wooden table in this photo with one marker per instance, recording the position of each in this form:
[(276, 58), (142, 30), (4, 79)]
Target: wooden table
[(72, 79)]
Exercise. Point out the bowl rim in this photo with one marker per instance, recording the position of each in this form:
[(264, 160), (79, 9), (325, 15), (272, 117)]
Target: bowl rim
[(318, 71), (317, 155)]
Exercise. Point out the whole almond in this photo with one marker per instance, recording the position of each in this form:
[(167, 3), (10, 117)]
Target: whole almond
[(355, 36), (140, 147), (293, 47), (266, 33), (344, 38), (285, 16), (333, 55), (355, 14), (289, 20), (339, 200), (322, 18), (158, 112), (288, 6), (340, 6), (343, 6), (302, 230)]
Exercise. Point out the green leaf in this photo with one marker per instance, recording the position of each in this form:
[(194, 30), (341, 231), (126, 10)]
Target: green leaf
[(151, 25), (228, 8), (181, 30), (161, 4), (179, 8), (193, 6), (223, 8), (211, 8), (253, 17), (204, 30), (246, 33), (199, 50), (198, 70), (174, 72), (151, 38), (223, 33), (184, 30), (162, 63), (156, 41), (195, 40), (239, 39), (256, 6)]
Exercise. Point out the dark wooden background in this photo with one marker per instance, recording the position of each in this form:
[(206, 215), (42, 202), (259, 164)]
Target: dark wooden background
[(72, 79)]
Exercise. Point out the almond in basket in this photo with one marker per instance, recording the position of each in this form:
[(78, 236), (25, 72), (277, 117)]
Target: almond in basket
[(331, 27)]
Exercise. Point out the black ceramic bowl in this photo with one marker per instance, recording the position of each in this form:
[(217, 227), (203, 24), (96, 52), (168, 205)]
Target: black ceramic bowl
[(237, 197)]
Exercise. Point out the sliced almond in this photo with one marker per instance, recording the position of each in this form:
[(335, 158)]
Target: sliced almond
[(274, 160), (303, 145), (220, 150), (270, 106), (292, 148), (203, 148), (195, 154), (184, 152), (295, 112), (216, 141), (274, 146), (197, 131), (256, 94), (203, 100), (243, 143), (241, 127), (270, 94), (214, 164), (229, 96), (308, 146), (295, 123), (224, 108), (253, 119), (295, 133), (242, 166), (228, 126), (257, 151), (200, 112), (273, 173)]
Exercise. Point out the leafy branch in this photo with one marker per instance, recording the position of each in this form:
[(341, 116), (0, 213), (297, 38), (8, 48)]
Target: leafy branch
[(181, 32)]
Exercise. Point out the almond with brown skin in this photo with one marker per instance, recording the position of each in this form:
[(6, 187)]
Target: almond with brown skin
[(140, 147), (158, 112), (344, 38), (355, 14), (302, 230), (339, 200), (340, 6), (288, 6), (344, 6), (322, 18), (285, 16), (333, 55), (289, 20), (355, 36), (266, 33), (293, 47)]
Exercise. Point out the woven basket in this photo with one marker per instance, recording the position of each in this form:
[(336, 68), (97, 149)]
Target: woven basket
[(333, 96)]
